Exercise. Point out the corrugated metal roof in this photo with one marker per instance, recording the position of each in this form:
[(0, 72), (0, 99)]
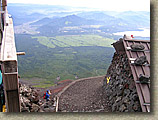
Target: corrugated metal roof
[(143, 90)]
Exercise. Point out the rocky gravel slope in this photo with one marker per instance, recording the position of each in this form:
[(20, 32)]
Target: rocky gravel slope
[(84, 96)]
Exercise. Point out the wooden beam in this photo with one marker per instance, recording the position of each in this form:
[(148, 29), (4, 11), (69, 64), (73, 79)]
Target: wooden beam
[(8, 49), (11, 85), (12, 101), (20, 53), (1, 12), (8, 57), (10, 82), (4, 4)]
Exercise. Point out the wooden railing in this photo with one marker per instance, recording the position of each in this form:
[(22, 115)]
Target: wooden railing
[(8, 59)]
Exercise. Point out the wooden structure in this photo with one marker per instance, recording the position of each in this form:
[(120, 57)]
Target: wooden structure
[(8, 59), (143, 89)]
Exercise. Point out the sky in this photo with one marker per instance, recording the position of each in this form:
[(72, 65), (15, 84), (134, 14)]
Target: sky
[(107, 5)]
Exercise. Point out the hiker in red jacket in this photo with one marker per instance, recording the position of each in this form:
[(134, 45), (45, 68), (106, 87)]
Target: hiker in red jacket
[(47, 95)]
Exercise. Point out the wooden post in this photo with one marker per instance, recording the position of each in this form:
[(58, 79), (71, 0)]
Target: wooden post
[(4, 4), (1, 27), (8, 58), (11, 85)]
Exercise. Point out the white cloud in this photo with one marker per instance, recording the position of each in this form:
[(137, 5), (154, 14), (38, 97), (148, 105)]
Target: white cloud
[(112, 5)]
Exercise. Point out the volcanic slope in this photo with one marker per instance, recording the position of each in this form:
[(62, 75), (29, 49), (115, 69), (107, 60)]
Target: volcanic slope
[(84, 95)]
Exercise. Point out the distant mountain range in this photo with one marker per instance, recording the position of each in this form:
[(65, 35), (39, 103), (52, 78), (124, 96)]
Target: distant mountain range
[(65, 41), (51, 20), (79, 24)]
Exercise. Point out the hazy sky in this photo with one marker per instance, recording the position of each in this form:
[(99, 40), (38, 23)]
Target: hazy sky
[(111, 5)]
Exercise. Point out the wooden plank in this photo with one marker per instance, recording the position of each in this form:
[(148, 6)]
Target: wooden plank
[(11, 85), (10, 82), (132, 59), (139, 91), (137, 40), (8, 50), (2, 12), (20, 53), (8, 57), (143, 90), (4, 8), (146, 71), (4, 4), (10, 66), (12, 101)]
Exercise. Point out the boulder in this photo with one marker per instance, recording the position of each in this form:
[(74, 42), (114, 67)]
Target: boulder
[(35, 108)]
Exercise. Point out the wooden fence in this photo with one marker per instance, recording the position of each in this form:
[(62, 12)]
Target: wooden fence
[(8, 60)]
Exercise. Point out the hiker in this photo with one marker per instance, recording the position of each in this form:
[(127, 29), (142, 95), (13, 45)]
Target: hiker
[(47, 95), (76, 77), (58, 78), (2, 97)]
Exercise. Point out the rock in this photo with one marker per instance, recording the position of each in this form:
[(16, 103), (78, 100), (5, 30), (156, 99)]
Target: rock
[(122, 108), (118, 99), (99, 110), (35, 108), (63, 111), (126, 110), (140, 61), (41, 110), (119, 92), (46, 106), (113, 107), (135, 108), (131, 86), (126, 92), (137, 47), (25, 109), (126, 100), (52, 109), (135, 97), (46, 110)]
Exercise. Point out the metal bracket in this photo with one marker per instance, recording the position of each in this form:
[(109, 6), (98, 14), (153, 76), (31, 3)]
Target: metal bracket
[(137, 81), (148, 65), (134, 50), (20, 53), (12, 73), (143, 79), (146, 104), (2, 12)]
